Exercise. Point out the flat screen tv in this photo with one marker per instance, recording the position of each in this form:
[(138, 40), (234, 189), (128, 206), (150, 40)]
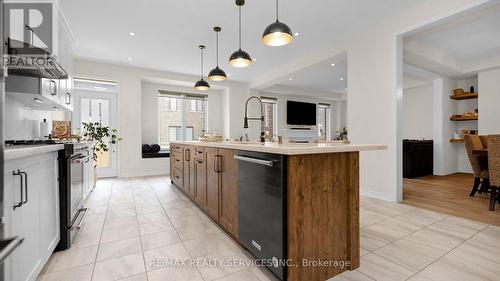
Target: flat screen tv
[(300, 113)]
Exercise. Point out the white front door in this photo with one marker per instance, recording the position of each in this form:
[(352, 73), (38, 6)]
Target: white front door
[(99, 107)]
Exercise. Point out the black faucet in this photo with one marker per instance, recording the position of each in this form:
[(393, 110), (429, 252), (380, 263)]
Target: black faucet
[(261, 118)]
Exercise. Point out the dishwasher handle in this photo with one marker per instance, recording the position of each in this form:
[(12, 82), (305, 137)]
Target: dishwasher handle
[(269, 163)]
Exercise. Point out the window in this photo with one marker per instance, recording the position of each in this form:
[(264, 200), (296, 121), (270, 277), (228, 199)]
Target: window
[(323, 121), (197, 105), (181, 117), (270, 115)]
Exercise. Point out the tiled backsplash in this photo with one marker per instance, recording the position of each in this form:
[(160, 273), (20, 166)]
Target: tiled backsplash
[(24, 124)]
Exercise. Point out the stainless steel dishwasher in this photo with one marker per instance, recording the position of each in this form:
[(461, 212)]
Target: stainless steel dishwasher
[(262, 207)]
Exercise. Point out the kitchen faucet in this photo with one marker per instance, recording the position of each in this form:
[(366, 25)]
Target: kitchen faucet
[(261, 118)]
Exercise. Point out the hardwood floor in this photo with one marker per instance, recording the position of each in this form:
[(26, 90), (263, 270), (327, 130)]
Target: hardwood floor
[(449, 195)]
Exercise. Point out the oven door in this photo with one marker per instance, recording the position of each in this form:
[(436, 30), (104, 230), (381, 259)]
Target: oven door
[(77, 164)]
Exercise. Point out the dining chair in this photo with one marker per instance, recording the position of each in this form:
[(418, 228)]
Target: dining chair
[(494, 167), (478, 163)]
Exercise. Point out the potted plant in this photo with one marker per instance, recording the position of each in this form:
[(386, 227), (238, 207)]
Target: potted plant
[(99, 135)]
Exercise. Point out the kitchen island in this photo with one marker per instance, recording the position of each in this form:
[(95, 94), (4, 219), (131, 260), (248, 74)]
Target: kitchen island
[(294, 205)]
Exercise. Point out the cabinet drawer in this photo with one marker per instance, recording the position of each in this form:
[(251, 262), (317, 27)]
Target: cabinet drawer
[(177, 156), (199, 153), (175, 148), (177, 177)]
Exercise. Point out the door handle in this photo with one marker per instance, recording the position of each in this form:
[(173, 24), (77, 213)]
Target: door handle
[(25, 186), (217, 163), (68, 98), (187, 155), (19, 173)]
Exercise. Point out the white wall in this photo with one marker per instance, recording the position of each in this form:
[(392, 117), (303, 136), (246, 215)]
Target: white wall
[(373, 97), (445, 153), (129, 102), (24, 124), (337, 113), (150, 105), (489, 101), (418, 114)]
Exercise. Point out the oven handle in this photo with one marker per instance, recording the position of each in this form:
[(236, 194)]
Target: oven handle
[(82, 210), (85, 211), (78, 156)]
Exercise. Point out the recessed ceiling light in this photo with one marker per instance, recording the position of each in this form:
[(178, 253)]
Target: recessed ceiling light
[(38, 100), (297, 34), (129, 59), (332, 64), (290, 79), (55, 108), (254, 59), (27, 107), (229, 74), (131, 33), (342, 79)]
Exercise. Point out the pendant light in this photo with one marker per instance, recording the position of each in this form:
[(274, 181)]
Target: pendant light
[(277, 33), (217, 74), (240, 58), (202, 85)]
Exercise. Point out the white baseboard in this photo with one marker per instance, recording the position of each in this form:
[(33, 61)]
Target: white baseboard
[(377, 195)]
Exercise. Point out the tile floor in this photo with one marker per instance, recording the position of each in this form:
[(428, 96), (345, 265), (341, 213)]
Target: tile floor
[(135, 225)]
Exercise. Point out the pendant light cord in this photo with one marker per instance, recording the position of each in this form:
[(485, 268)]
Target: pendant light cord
[(217, 44), (277, 10), (201, 63), (240, 26)]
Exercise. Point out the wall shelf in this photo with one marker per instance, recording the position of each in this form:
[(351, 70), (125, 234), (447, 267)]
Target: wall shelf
[(456, 140), (456, 118), (466, 96)]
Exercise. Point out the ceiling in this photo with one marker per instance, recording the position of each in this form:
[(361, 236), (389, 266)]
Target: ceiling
[(167, 33), (459, 47), (328, 76)]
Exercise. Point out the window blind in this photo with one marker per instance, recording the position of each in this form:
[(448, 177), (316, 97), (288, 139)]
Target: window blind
[(170, 94)]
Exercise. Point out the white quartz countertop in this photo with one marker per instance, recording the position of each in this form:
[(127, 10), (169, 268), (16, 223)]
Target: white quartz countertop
[(21, 151), (289, 148)]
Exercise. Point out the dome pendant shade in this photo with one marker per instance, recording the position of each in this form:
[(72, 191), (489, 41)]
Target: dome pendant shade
[(217, 74), (240, 59), (277, 34), (202, 85)]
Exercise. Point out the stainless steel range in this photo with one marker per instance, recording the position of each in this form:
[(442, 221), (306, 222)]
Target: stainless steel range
[(71, 179)]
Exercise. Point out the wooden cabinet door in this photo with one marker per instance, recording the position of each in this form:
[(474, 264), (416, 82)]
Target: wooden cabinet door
[(228, 195), (200, 169), (186, 169), (213, 168)]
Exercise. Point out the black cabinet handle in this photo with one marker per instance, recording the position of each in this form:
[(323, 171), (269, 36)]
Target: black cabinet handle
[(19, 173), (68, 98), (25, 186)]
